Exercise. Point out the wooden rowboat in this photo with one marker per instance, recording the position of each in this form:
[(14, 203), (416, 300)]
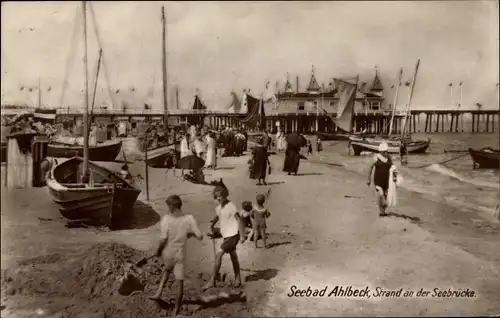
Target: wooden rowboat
[(107, 151), (419, 146), (100, 202), (485, 158)]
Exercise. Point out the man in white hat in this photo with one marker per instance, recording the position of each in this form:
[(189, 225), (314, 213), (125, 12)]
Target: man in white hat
[(382, 164)]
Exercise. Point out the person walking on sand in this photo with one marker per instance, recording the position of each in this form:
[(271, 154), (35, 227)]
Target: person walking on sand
[(260, 160), (259, 215), (292, 159), (211, 161), (227, 213), (381, 169), (176, 227)]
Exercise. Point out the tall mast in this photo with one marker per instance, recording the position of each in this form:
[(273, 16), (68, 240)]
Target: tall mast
[(409, 98), (39, 94), (164, 71), (395, 100), (86, 96)]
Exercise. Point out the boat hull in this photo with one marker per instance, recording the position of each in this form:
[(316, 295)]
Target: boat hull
[(485, 159), (419, 146), (157, 157), (105, 152), (333, 136), (102, 204)]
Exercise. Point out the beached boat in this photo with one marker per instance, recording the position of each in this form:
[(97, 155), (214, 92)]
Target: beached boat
[(99, 202), (84, 190), (107, 151), (157, 157), (333, 136), (485, 158), (419, 146)]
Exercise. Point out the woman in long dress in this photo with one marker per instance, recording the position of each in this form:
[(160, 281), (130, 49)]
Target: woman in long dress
[(292, 160), (211, 161), (199, 148), (259, 162), (185, 151)]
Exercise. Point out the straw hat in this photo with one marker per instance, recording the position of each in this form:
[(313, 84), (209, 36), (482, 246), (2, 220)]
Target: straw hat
[(383, 147)]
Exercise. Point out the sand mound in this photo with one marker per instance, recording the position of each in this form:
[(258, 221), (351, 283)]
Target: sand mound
[(89, 283)]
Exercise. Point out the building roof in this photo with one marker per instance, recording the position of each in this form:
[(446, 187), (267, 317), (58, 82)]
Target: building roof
[(377, 84), (313, 84), (288, 87)]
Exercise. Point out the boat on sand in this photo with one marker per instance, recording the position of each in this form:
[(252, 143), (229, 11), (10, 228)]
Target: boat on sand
[(485, 158), (100, 202)]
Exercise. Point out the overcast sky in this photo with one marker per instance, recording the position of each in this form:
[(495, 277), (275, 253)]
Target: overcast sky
[(220, 46)]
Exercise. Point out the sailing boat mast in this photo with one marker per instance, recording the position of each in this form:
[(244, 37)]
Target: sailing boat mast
[(395, 100), (164, 71), (86, 98), (403, 132), (39, 94)]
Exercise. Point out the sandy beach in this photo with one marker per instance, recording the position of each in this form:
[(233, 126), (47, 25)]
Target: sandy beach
[(324, 232)]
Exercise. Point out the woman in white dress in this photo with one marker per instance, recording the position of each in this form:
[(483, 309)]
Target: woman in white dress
[(185, 151), (199, 147), (211, 161)]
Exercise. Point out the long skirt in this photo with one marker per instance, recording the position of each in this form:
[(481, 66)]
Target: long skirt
[(292, 161), (258, 170)]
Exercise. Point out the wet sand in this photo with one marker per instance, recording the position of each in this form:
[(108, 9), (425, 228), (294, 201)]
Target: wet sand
[(324, 231)]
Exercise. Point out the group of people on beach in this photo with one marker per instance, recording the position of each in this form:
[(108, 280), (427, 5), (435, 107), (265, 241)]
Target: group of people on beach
[(176, 228)]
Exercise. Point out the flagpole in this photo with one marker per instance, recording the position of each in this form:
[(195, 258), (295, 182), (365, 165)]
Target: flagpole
[(451, 95), (395, 100), (461, 103), (39, 94)]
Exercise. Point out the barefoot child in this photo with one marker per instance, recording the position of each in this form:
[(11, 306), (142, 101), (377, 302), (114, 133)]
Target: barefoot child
[(245, 221), (259, 215), (176, 228), (309, 148), (319, 146), (227, 214)]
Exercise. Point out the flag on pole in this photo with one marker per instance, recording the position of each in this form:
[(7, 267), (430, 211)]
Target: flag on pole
[(450, 85), (460, 84), (267, 84)]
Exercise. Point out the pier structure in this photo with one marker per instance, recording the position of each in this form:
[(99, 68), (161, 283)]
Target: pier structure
[(424, 121), (304, 111)]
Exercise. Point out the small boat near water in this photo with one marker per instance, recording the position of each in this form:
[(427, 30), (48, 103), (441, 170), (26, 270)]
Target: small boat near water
[(419, 146), (486, 158), (106, 151), (99, 202), (333, 136)]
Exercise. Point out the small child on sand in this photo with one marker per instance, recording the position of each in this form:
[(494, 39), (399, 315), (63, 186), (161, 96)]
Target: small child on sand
[(176, 227), (319, 145), (309, 148), (259, 214), (245, 220)]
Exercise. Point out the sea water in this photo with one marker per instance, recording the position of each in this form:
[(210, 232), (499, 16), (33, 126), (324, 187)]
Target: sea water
[(454, 182)]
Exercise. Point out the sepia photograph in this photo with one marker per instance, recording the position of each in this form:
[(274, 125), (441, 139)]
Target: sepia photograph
[(250, 159)]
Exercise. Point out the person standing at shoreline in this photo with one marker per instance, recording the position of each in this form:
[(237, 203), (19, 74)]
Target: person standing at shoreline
[(381, 170), (228, 215)]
